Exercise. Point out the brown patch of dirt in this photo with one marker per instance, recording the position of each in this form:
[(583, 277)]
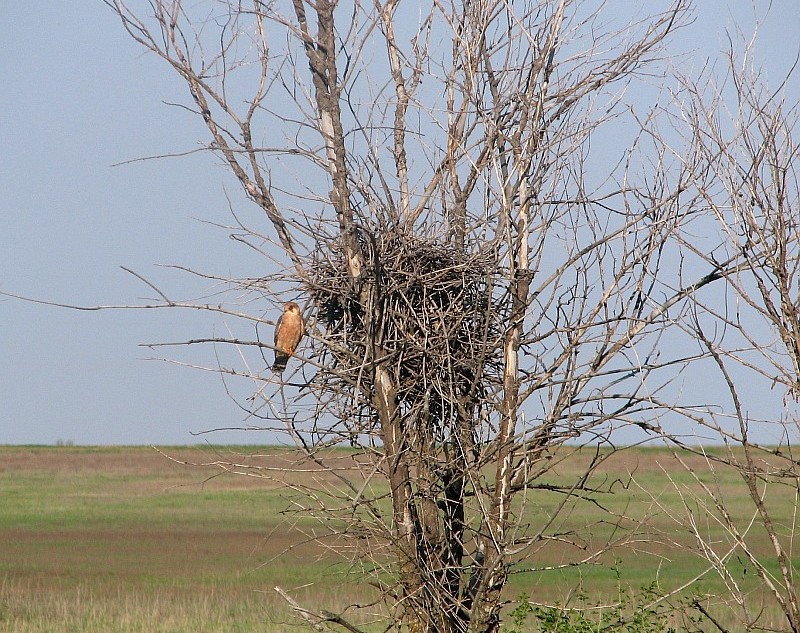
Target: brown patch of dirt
[(154, 552), (646, 460), (272, 467)]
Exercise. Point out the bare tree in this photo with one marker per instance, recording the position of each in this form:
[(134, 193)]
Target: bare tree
[(743, 151), (480, 284)]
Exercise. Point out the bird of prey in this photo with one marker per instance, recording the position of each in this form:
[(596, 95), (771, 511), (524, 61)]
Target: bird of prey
[(288, 332)]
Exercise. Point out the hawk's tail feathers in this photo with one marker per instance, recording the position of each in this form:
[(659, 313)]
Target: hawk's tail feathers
[(280, 362)]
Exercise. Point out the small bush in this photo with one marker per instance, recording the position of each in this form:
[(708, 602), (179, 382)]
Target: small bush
[(626, 615)]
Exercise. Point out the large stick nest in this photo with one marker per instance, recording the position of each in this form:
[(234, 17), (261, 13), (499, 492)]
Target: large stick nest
[(434, 314)]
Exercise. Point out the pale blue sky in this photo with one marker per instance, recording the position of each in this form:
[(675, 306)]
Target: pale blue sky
[(77, 97)]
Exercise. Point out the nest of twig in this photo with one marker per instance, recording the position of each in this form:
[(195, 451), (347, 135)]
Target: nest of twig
[(430, 312)]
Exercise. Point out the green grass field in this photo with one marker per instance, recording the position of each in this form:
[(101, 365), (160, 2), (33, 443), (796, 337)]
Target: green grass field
[(125, 539)]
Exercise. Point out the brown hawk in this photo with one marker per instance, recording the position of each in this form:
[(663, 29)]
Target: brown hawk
[(288, 332)]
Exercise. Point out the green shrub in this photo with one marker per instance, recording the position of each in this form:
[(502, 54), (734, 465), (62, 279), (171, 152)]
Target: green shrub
[(628, 614)]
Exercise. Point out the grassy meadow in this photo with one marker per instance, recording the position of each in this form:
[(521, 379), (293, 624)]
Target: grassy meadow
[(125, 539), (134, 539)]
